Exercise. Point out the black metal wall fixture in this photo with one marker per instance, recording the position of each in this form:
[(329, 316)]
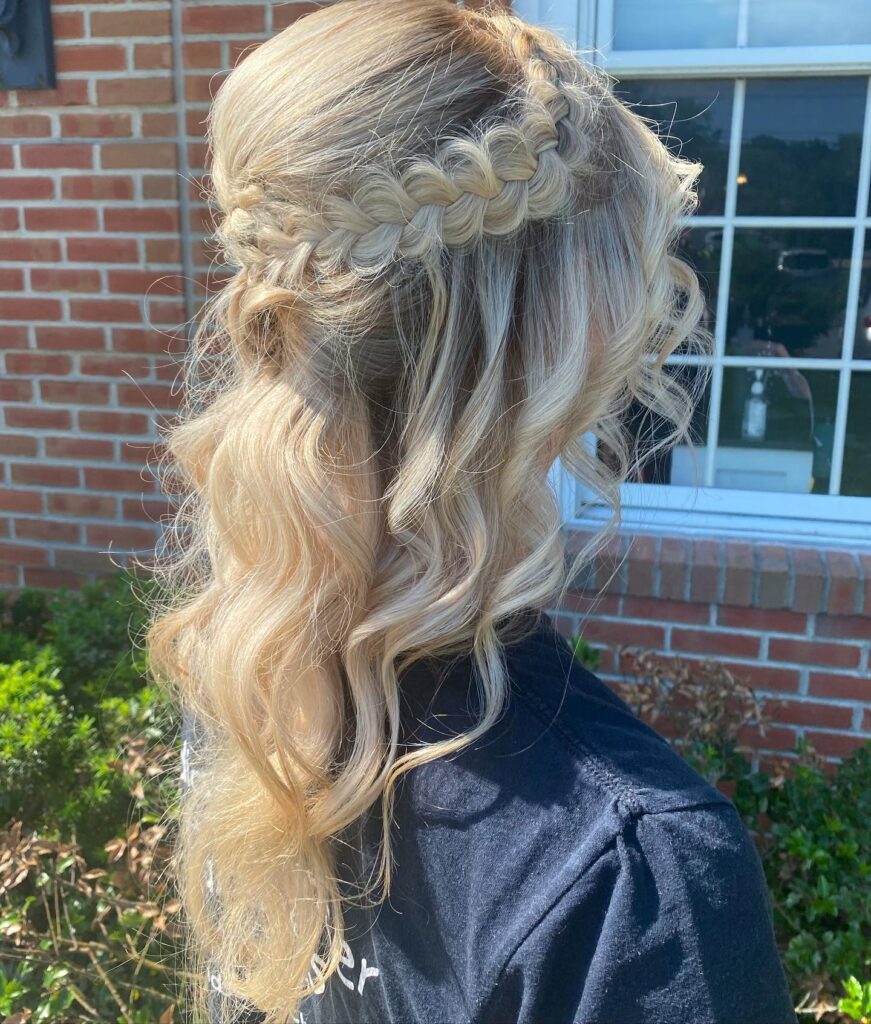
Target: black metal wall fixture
[(26, 48)]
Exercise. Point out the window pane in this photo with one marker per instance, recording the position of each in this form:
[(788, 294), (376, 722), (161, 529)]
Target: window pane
[(856, 475), (800, 146), (809, 22), (701, 248), (674, 24), (696, 114), (776, 429), (788, 292)]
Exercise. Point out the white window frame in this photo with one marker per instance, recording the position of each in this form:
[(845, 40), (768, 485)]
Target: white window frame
[(588, 25)]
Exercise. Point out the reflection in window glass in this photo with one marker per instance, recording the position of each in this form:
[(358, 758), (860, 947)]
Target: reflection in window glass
[(800, 146), (701, 248), (809, 22), (856, 474), (694, 116), (647, 430), (777, 429), (788, 292), (674, 24)]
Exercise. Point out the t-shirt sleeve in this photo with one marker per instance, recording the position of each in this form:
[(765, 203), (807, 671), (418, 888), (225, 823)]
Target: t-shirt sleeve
[(671, 924)]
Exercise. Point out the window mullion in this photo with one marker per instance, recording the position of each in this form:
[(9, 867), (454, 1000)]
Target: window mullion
[(731, 201)]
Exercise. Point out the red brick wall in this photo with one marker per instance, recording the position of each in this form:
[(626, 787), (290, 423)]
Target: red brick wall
[(795, 623), (103, 259)]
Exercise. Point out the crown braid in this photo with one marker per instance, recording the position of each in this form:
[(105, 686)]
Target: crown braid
[(516, 170)]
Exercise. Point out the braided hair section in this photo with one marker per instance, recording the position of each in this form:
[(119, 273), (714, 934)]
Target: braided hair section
[(534, 162)]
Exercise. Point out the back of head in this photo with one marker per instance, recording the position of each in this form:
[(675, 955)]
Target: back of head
[(453, 258)]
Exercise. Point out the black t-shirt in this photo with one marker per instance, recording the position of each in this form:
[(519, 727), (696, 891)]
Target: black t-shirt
[(568, 868)]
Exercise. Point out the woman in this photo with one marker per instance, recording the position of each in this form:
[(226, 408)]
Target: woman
[(453, 254)]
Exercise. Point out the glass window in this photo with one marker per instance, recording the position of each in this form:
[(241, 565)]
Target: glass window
[(800, 146), (674, 24), (694, 117), (788, 292), (856, 478), (808, 22)]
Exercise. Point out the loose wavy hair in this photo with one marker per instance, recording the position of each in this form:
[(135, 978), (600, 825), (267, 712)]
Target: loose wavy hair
[(453, 257)]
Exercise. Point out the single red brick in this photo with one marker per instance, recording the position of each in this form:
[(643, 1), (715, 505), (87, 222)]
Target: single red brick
[(145, 282), (109, 479), (37, 364), (164, 311), (159, 186), (710, 642), (664, 611), (98, 186), (162, 396), (47, 529), (69, 338), (810, 579), (26, 187), (844, 585), (131, 23), (29, 308), (103, 250), (69, 92), (134, 91), (159, 124), (136, 155), (145, 510), (60, 218), (82, 560), (23, 554), (152, 56), (24, 126), (11, 279), (120, 536), (774, 737), (152, 219), (78, 503), (641, 565), (20, 501), (29, 250), (610, 632), (162, 250), (57, 155), (38, 576), (675, 560), (100, 125), (773, 576), (75, 392), (103, 422), (832, 716), (284, 14), (64, 279), (763, 620), (740, 568), (585, 604), (709, 562), (45, 475), (26, 417), (93, 57), (833, 744), (17, 444), (105, 310), (845, 627), (78, 448), (223, 20), (813, 652), (202, 54), (67, 24), (198, 155), (833, 684), (141, 339), (202, 88), (16, 390)]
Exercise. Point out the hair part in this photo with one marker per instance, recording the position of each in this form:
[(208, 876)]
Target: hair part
[(450, 245)]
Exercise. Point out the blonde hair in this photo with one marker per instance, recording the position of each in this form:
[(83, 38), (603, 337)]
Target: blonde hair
[(454, 249)]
